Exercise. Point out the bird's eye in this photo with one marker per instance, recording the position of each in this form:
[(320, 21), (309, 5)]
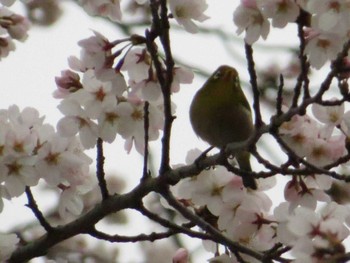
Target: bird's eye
[(217, 74)]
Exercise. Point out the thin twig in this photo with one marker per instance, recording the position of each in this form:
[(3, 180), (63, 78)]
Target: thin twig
[(304, 67), (254, 83), (216, 235), (36, 211), (100, 173), (280, 96), (146, 172)]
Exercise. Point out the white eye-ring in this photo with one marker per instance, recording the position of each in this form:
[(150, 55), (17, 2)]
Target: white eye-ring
[(217, 74)]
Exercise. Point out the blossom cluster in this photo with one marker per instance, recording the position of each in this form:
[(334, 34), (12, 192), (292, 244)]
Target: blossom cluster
[(31, 150), (245, 216), (241, 214), (324, 35), (12, 27), (183, 11), (102, 104), (313, 236), (319, 142)]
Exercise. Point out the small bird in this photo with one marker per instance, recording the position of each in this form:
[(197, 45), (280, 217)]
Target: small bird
[(220, 114)]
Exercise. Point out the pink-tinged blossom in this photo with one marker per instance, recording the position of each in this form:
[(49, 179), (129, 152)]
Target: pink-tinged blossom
[(14, 25), (321, 152), (137, 63), (8, 244), (147, 90), (297, 132), (304, 192), (96, 52), (281, 12), (185, 12), (322, 47), (223, 258), (181, 76), (318, 235), (247, 17), (181, 256), (76, 120), (105, 8), (67, 83)]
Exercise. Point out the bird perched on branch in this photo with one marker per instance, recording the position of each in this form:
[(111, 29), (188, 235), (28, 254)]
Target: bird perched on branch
[(220, 114)]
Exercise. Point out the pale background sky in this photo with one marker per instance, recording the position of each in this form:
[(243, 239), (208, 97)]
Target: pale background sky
[(27, 77)]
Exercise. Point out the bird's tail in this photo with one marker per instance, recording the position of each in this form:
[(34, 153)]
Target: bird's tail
[(244, 163)]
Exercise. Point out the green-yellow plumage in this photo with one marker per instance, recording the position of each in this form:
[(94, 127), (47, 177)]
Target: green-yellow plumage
[(220, 114)]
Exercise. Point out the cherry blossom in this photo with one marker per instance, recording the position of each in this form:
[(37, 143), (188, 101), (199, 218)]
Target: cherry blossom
[(321, 152), (109, 121), (137, 63), (298, 192), (58, 162), (148, 90), (322, 47), (297, 132), (282, 12), (95, 95), (105, 8), (330, 16), (223, 258), (77, 120), (330, 116), (181, 256), (8, 243), (131, 126), (247, 17), (96, 52), (208, 189), (19, 173), (186, 11), (69, 82), (70, 203), (318, 234), (15, 25), (181, 76)]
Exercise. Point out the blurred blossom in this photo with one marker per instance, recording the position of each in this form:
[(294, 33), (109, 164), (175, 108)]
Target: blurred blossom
[(181, 256), (8, 243), (185, 12), (104, 8), (322, 47), (247, 17), (281, 12)]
